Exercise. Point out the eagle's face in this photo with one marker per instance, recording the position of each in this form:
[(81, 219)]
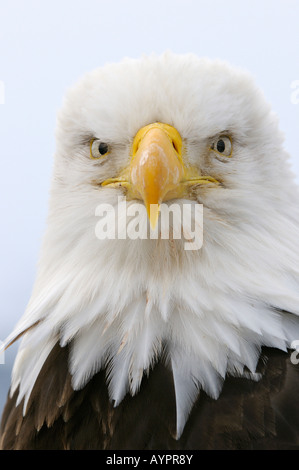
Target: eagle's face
[(158, 130), (164, 130)]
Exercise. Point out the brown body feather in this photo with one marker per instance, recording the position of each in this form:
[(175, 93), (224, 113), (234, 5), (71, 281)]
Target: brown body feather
[(248, 414)]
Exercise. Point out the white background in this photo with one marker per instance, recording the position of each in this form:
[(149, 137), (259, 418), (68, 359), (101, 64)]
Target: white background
[(45, 45)]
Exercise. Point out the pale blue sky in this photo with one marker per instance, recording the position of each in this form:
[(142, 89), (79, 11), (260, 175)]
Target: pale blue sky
[(45, 45)]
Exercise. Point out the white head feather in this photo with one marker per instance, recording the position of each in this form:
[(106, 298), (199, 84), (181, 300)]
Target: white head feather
[(126, 303)]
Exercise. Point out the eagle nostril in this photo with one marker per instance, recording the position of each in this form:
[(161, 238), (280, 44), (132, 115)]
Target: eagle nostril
[(175, 146)]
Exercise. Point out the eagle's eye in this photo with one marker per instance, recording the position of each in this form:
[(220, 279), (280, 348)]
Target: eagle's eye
[(223, 145), (98, 149)]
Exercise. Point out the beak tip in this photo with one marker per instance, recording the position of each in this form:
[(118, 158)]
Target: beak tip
[(153, 211)]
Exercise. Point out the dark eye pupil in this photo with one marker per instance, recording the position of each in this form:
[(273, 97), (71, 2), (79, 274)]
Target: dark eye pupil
[(220, 146), (103, 148)]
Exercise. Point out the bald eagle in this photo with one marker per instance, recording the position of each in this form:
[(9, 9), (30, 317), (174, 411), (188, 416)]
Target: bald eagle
[(135, 341)]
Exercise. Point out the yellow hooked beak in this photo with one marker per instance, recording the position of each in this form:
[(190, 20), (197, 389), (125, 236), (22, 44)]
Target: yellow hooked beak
[(157, 172)]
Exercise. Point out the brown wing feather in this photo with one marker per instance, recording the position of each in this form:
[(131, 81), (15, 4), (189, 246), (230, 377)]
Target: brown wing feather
[(248, 415)]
